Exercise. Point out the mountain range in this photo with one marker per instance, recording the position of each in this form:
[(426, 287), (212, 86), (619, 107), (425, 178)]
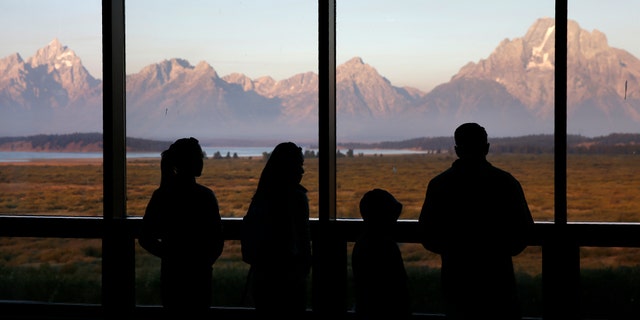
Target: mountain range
[(511, 92)]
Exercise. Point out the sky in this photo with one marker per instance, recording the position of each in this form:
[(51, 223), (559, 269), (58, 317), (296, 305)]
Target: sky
[(416, 43)]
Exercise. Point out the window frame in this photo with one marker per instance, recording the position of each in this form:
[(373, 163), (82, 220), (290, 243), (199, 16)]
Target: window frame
[(560, 240)]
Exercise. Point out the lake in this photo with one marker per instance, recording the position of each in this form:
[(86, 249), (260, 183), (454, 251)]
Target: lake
[(20, 156)]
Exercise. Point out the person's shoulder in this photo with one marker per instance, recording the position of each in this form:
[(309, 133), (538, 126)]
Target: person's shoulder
[(204, 189), (445, 172), (502, 173), (159, 192), (368, 240), (364, 246), (442, 176), (300, 191), (300, 188)]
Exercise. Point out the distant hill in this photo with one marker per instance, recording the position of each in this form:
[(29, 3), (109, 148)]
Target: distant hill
[(618, 143), (75, 142)]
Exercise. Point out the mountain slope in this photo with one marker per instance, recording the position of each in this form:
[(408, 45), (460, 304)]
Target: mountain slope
[(596, 74), (511, 92)]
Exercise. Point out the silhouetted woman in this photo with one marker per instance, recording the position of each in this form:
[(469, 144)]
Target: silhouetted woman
[(182, 226), (276, 239)]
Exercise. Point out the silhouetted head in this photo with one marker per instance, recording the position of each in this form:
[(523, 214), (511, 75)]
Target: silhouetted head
[(183, 158), (285, 166), (379, 207), (471, 141)]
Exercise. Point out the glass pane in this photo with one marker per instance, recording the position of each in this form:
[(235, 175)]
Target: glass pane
[(51, 270), (229, 278), (603, 115), (409, 72), (423, 271), (239, 76), (528, 269), (51, 107), (609, 280)]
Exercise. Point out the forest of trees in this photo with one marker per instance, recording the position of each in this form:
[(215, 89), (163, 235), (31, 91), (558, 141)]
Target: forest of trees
[(617, 143), (54, 142)]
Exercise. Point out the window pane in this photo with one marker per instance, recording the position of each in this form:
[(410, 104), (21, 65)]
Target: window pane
[(423, 271), (240, 76), (609, 279), (229, 278), (51, 107), (51, 270), (603, 119), (409, 72), (528, 269)]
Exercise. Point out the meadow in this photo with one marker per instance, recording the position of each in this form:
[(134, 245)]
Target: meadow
[(599, 187), (603, 188)]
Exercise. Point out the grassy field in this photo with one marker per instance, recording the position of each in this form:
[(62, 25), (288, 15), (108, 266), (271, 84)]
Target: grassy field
[(600, 188)]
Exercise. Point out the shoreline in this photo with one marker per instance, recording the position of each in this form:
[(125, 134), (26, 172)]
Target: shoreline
[(53, 162)]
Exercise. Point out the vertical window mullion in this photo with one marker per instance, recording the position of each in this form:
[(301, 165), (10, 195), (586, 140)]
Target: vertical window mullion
[(114, 109), (560, 252), (560, 116), (118, 245), (327, 109), (329, 275)]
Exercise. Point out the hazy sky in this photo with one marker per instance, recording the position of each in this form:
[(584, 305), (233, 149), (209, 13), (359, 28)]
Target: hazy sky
[(418, 43)]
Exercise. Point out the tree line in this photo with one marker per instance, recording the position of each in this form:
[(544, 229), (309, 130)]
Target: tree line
[(615, 143), (62, 141)]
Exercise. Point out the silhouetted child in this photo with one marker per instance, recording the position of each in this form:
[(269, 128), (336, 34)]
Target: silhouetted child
[(182, 226), (381, 289)]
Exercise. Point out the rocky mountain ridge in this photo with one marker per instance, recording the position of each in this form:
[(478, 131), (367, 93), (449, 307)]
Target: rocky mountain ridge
[(510, 92)]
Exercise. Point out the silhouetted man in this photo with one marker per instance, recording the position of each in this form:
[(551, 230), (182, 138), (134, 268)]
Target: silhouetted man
[(476, 217)]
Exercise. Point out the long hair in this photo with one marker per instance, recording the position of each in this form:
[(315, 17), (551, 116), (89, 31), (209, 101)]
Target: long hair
[(283, 168), (184, 157)]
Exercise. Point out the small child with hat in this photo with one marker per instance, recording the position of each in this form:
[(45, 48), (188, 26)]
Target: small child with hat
[(381, 289)]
